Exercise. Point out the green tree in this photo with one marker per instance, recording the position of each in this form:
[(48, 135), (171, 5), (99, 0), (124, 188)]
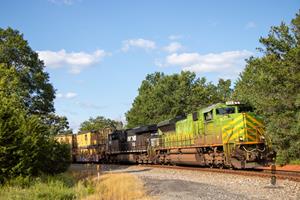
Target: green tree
[(271, 83), (57, 124), (25, 146), (98, 123), (224, 90), (33, 87), (163, 97)]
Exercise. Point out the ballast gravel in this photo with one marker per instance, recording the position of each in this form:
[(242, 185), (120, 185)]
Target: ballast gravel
[(173, 184)]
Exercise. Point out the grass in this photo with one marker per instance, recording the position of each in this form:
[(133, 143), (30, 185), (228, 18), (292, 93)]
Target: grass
[(81, 184), (295, 162), (59, 187), (46, 187), (118, 187)]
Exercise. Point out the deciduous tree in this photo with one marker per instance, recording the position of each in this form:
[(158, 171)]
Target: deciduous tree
[(34, 88), (163, 97), (98, 123), (26, 148)]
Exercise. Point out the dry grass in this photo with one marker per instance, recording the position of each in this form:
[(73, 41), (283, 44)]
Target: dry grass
[(118, 187), (81, 183)]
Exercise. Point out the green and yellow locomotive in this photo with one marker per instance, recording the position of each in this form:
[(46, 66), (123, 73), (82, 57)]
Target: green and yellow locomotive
[(220, 135)]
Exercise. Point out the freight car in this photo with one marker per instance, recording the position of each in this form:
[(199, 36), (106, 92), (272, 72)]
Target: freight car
[(221, 135), (131, 145), (92, 145)]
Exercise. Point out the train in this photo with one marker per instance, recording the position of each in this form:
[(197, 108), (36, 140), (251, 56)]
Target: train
[(226, 135)]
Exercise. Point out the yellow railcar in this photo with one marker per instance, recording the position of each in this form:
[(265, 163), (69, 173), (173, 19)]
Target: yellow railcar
[(91, 145)]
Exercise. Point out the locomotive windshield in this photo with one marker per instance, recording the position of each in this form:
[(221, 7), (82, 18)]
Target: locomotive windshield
[(244, 109)]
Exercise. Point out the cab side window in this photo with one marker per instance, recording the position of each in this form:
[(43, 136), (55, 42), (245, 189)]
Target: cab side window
[(195, 116), (208, 116)]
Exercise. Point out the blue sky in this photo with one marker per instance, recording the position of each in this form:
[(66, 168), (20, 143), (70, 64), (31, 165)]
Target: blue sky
[(98, 52)]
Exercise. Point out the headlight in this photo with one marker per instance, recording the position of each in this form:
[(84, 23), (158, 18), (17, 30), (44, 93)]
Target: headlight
[(232, 103)]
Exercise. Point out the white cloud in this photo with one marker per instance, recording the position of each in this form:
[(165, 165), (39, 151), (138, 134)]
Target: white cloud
[(158, 63), (183, 59), (64, 2), (229, 61), (175, 37), (59, 95), (250, 25), (74, 61), (138, 43), (173, 47), (68, 95)]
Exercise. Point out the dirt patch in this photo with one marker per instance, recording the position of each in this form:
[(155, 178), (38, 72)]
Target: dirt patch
[(295, 168)]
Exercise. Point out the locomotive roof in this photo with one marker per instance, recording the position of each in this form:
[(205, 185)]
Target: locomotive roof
[(63, 134), (117, 131), (170, 121), (84, 132), (94, 131), (142, 129), (209, 108)]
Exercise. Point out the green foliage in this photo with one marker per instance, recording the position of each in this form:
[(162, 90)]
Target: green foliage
[(98, 123), (57, 124), (163, 97), (223, 89), (25, 146), (295, 162), (62, 186), (271, 84), (26, 76), (57, 157), (46, 187)]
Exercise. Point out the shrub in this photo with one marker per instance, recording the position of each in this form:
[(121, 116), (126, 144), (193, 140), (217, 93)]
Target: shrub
[(45, 187), (26, 149)]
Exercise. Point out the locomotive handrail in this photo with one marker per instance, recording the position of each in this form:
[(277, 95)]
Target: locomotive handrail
[(188, 140)]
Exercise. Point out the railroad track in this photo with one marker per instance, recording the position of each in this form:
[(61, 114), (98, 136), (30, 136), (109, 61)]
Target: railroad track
[(266, 173)]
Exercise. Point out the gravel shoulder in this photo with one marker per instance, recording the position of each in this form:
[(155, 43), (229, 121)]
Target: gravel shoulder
[(172, 184)]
